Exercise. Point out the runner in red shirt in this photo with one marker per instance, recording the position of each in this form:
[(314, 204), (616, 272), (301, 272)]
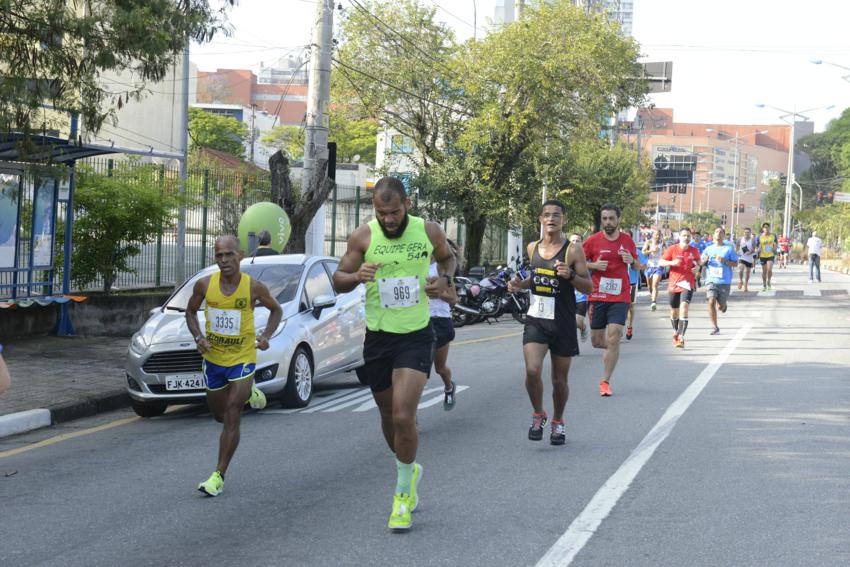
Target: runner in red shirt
[(784, 250), (685, 265), (609, 254)]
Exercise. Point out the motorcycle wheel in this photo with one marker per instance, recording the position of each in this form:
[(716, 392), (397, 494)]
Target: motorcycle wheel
[(458, 319)]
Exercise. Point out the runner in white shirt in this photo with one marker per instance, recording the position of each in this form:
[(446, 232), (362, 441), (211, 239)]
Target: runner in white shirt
[(745, 251), (814, 245)]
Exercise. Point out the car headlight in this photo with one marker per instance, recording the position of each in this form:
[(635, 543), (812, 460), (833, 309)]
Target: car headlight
[(138, 344)]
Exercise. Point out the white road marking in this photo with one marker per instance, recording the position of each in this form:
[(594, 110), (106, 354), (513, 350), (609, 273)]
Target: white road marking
[(323, 406), (438, 399), (353, 402), (768, 293), (811, 293), (585, 525)]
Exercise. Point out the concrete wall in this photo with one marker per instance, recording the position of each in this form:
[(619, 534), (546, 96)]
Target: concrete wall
[(116, 315)]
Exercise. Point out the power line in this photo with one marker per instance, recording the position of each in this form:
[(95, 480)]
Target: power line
[(461, 20), (286, 90)]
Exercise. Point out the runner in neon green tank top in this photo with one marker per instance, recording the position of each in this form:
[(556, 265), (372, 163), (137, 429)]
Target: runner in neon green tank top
[(391, 256)]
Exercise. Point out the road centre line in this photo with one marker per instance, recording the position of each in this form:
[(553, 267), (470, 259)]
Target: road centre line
[(588, 521), (128, 420)]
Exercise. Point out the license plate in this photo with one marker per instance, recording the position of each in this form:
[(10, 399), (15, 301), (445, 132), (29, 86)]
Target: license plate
[(185, 382)]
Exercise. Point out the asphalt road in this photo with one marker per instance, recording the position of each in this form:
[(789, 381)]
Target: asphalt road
[(734, 451)]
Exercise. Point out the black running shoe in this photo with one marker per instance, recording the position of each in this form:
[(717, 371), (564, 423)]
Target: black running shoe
[(538, 421), (559, 433), (449, 398)]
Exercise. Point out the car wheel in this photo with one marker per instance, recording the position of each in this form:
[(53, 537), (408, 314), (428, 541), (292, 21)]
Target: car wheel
[(148, 410), (299, 382)]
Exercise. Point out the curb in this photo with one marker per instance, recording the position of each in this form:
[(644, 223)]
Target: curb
[(29, 420)]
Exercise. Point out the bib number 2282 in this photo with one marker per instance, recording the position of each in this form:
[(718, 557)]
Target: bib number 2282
[(610, 286)]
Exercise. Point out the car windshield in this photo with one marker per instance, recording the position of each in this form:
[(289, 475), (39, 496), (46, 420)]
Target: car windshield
[(281, 279)]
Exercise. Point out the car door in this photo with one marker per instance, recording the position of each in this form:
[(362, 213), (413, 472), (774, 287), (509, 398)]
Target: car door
[(352, 314), (325, 331)]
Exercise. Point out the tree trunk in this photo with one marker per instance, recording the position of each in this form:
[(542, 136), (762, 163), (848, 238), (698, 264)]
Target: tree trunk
[(302, 209), (474, 237)]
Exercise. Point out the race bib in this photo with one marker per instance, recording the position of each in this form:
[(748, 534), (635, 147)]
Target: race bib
[(542, 307), (399, 292), (684, 284), (227, 322), (611, 286), (715, 272), (768, 249)]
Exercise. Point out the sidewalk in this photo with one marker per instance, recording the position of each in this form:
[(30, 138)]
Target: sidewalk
[(59, 379)]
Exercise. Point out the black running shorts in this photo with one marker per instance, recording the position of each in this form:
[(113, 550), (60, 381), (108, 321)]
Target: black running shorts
[(383, 352), (581, 308), (679, 297), (562, 343), (604, 313), (444, 330)]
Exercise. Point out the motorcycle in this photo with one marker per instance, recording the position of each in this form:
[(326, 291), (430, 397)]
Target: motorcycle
[(489, 298)]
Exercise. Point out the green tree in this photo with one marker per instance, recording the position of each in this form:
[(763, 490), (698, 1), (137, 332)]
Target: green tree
[(353, 137), (114, 216), (704, 222), (217, 132), (57, 52), (288, 139)]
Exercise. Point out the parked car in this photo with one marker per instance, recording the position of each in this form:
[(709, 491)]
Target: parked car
[(321, 334)]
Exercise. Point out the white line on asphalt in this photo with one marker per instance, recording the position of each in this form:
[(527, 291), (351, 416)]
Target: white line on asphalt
[(811, 293), (768, 293), (586, 524), (437, 399), (355, 394), (353, 402)]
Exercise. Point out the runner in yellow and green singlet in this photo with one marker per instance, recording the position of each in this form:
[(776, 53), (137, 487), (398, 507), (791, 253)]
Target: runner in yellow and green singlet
[(767, 254)]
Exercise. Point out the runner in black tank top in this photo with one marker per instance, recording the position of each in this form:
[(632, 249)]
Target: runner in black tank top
[(557, 270)]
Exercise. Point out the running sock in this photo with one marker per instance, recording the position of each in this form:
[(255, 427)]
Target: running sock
[(675, 323), (405, 477), (683, 326)]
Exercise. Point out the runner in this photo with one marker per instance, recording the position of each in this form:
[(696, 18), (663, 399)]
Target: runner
[(557, 267), (767, 253), (440, 308), (610, 252), (720, 260), (391, 255), (634, 281), (229, 345), (581, 300), (653, 249), (746, 252), (684, 262), (814, 245), (784, 251)]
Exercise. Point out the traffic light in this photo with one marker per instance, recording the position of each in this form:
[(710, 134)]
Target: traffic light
[(783, 179), (819, 201), (741, 208)]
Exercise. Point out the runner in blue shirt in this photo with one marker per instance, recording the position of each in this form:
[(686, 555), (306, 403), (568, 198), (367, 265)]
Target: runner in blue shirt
[(720, 260), (634, 280), (581, 300)]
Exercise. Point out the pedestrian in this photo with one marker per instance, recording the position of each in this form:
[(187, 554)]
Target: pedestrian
[(813, 245), (264, 247), (557, 269), (609, 253), (391, 255), (746, 253), (440, 308), (5, 379), (720, 260), (766, 244), (581, 299), (634, 283), (229, 345), (653, 249), (683, 259)]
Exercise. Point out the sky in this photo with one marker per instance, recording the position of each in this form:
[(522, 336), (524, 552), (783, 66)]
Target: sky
[(728, 55)]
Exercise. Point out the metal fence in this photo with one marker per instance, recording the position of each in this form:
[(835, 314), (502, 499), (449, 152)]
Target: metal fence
[(215, 200)]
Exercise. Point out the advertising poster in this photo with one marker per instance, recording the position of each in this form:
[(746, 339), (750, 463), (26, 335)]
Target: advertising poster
[(9, 190), (43, 223)]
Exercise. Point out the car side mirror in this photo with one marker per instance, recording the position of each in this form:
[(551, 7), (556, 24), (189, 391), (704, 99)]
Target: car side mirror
[(322, 302)]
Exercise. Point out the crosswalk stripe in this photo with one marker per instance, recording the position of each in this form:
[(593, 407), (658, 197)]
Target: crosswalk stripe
[(811, 293), (355, 394), (768, 293), (436, 400), (349, 403)]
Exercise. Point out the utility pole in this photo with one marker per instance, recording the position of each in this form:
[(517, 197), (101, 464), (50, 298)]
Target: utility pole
[(786, 221), (316, 131), (253, 130), (180, 260)]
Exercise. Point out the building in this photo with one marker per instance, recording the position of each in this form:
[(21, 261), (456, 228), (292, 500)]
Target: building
[(280, 92), (703, 167), (620, 11), (261, 122)]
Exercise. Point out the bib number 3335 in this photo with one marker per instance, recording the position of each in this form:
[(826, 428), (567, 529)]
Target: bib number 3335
[(399, 292), (227, 322)]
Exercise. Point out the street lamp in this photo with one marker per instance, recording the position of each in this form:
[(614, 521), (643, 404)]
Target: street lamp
[(735, 190), (793, 115), (822, 62)]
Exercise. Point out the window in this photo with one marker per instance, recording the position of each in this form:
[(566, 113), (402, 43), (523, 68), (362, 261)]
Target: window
[(318, 284)]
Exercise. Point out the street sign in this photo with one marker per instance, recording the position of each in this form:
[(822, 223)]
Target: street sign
[(841, 197)]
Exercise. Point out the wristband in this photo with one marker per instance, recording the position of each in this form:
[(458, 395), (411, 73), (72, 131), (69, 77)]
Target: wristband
[(449, 279), (198, 338)]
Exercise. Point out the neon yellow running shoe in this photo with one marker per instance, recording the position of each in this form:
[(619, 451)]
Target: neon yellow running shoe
[(257, 399), (213, 486), (400, 519), (414, 483)]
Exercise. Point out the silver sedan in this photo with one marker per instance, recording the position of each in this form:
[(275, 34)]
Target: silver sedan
[(321, 334)]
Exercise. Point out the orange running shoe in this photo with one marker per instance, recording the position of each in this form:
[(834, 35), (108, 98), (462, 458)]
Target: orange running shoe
[(605, 389), (680, 343), (675, 339)]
